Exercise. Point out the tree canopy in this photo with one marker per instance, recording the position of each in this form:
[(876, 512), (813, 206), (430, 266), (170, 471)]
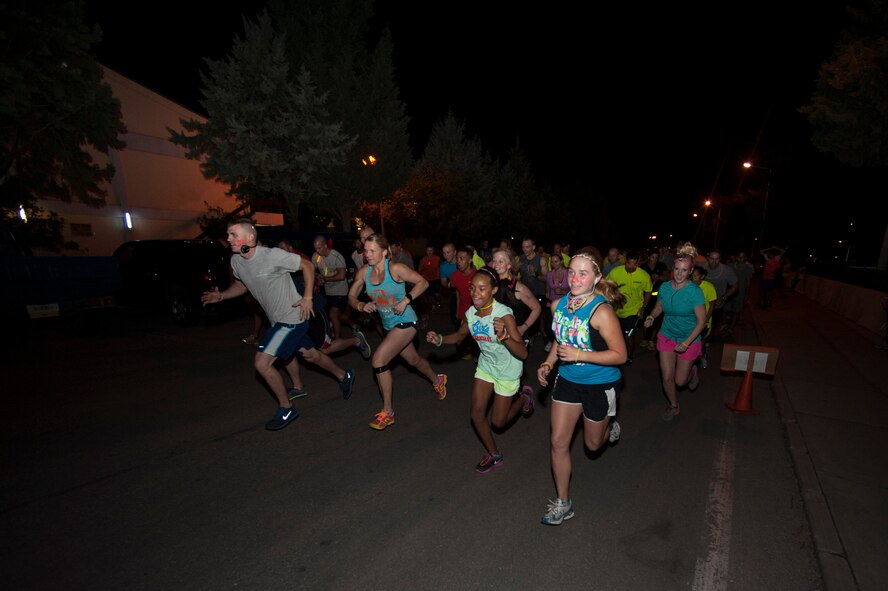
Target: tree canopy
[(56, 113), (849, 108), (267, 133)]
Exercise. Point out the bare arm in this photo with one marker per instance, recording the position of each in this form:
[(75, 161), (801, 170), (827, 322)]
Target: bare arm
[(355, 290), (234, 290), (658, 309), (403, 273), (338, 275), (546, 366), (506, 331), (531, 302), (305, 304), (606, 323), (453, 338)]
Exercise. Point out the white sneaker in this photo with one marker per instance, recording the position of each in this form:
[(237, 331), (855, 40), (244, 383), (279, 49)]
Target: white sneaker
[(557, 511), (615, 432)]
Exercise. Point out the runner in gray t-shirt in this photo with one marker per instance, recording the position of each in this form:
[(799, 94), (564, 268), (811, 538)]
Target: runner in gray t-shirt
[(265, 273)]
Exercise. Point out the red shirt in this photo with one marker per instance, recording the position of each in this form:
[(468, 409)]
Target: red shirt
[(460, 283), (429, 267), (771, 267)]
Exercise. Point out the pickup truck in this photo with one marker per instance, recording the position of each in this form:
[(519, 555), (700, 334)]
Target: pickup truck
[(47, 286)]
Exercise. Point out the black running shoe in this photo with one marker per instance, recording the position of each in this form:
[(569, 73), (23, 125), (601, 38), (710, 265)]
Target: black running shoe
[(282, 418), (347, 383)]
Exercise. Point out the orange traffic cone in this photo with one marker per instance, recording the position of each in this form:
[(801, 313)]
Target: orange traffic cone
[(743, 402)]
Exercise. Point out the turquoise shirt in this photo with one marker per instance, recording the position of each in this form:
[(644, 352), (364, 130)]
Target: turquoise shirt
[(385, 296), (575, 330), (678, 310)]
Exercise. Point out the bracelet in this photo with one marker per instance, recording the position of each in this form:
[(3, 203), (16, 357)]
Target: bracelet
[(546, 364), (309, 298), (501, 339), (577, 360), (440, 340), (649, 317), (409, 298)]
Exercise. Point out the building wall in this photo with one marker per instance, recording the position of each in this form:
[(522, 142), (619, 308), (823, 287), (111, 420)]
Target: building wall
[(163, 191)]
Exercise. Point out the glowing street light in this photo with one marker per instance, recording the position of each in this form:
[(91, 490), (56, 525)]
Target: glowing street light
[(747, 165), (718, 216), (369, 161)]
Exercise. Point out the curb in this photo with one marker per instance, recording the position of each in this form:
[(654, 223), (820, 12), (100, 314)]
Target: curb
[(831, 556)]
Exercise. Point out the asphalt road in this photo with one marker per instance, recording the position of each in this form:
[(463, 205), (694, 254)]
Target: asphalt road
[(135, 457)]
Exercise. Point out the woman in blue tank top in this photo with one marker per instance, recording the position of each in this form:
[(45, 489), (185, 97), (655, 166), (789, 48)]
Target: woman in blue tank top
[(590, 347), (384, 282)]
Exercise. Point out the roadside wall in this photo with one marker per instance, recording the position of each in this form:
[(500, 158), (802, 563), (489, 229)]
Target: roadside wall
[(859, 304)]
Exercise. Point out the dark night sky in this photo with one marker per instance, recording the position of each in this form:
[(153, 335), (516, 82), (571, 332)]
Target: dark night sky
[(654, 108)]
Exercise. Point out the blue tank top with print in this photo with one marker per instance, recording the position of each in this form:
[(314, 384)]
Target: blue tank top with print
[(385, 296), (576, 331)]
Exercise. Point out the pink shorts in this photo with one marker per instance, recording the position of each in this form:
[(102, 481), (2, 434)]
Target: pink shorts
[(668, 345)]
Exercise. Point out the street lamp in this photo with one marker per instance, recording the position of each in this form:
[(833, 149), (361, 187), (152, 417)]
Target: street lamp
[(369, 161), (747, 165), (708, 204)]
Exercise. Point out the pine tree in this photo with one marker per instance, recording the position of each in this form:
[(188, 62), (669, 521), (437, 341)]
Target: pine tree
[(352, 64), (268, 132), (454, 185)]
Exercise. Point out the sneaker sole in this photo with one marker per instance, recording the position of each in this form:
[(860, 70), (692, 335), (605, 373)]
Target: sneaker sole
[(527, 409)]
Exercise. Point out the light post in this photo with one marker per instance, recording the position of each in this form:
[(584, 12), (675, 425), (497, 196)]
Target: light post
[(369, 162), (718, 215), (747, 165)]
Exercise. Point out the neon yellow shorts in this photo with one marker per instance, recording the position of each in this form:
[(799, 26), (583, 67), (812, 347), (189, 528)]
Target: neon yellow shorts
[(500, 387)]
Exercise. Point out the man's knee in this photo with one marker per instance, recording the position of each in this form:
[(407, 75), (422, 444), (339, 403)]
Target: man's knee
[(263, 362)]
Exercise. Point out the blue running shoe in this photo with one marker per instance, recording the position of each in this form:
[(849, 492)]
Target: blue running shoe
[(363, 346), (282, 418), (347, 383)]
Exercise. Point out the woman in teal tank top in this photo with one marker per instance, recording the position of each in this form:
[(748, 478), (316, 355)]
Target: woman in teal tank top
[(590, 348), (384, 281)]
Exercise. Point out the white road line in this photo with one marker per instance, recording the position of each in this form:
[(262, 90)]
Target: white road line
[(711, 571)]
